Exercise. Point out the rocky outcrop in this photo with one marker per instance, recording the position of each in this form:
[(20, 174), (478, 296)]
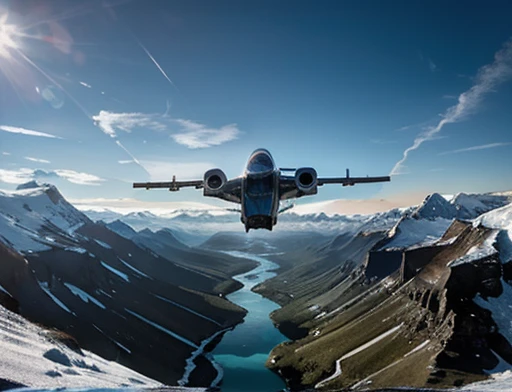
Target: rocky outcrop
[(409, 319)]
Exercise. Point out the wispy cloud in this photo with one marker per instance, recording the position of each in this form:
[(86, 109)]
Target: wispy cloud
[(109, 122), (29, 132), (382, 141), (37, 160), (421, 125), (476, 148), (23, 175), (163, 170), (125, 162), (6, 153), (191, 134), (85, 84), (487, 79), (431, 65), (80, 178), (197, 135)]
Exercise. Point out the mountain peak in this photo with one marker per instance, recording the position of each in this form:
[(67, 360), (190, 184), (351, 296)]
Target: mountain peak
[(31, 185), (435, 206)]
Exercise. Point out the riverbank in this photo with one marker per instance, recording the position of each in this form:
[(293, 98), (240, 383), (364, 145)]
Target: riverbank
[(243, 351)]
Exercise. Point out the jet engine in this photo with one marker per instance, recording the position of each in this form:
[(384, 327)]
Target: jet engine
[(306, 180), (214, 181)]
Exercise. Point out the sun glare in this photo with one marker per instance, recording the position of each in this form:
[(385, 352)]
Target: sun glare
[(8, 33)]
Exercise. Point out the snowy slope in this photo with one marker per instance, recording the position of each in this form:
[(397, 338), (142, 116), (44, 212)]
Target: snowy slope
[(36, 219), (500, 218), (29, 357), (501, 382)]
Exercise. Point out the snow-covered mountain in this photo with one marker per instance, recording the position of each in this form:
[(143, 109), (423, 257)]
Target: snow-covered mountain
[(37, 357), (119, 299), (133, 287), (37, 218)]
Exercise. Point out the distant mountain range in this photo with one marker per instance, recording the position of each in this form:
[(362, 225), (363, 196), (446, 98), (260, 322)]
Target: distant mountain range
[(415, 296)]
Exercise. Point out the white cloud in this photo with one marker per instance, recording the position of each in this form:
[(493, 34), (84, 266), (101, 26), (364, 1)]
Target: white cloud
[(23, 175), (37, 160), (28, 132), (109, 122), (487, 79), (79, 177), (163, 171), (476, 148), (85, 84), (6, 153), (125, 162), (192, 134), (197, 135)]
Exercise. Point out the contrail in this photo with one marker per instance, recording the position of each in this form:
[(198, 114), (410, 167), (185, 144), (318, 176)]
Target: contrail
[(76, 103), (488, 78), (156, 63)]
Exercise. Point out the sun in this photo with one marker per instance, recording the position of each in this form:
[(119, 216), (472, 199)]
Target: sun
[(8, 32)]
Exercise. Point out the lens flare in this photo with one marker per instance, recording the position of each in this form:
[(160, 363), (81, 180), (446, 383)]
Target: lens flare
[(8, 33)]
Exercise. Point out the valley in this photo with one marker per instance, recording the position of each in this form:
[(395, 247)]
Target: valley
[(411, 297)]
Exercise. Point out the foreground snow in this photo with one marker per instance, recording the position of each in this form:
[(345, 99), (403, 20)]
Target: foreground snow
[(28, 357)]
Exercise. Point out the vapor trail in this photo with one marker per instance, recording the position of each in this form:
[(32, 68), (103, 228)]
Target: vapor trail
[(156, 63), (487, 79), (78, 104)]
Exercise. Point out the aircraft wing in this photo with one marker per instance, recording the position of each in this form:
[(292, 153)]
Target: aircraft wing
[(349, 181), (288, 188), (230, 191), (173, 185)]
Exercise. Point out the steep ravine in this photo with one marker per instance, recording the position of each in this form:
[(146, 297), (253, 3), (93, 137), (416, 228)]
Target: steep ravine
[(414, 325)]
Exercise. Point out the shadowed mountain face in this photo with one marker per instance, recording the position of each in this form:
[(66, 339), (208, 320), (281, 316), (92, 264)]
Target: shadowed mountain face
[(116, 297), (415, 297)]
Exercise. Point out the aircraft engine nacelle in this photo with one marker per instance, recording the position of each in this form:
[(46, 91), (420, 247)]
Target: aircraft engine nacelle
[(214, 181), (306, 180)]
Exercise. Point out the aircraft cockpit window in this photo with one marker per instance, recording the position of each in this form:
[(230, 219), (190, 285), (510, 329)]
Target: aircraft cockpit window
[(260, 163)]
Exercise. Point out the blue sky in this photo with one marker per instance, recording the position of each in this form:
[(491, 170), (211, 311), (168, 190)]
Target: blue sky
[(97, 94)]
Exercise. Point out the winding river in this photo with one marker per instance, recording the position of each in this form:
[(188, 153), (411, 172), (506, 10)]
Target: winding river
[(242, 353)]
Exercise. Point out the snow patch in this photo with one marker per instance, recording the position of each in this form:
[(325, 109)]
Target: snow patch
[(190, 365), (103, 244), (115, 271), (165, 330), (134, 269), (44, 286), (84, 296), (187, 309)]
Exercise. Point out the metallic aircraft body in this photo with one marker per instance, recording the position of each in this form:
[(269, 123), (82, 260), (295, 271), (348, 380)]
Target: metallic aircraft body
[(261, 187)]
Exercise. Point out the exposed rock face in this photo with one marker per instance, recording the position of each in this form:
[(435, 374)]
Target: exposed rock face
[(117, 298), (408, 318)]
